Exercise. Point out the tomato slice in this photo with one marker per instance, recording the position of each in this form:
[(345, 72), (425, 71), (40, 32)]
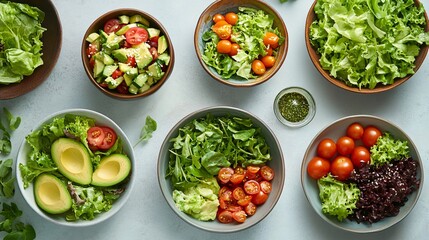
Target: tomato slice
[(226, 196), (245, 201), (95, 136), (117, 73), (253, 169), (239, 216), (91, 50), (112, 25), (266, 186), (109, 138), (267, 173), (225, 216), (250, 209), (224, 174), (252, 187), (136, 35), (259, 198), (238, 193), (131, 61), (237, 178)]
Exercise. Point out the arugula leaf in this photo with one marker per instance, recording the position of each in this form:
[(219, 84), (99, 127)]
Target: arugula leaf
[(10, 223), (7, 187), (14, 122), (149, 127)]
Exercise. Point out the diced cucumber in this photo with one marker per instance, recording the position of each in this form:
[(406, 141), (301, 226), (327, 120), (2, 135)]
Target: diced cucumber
[(113, 41), (124, 19), (142, 55), (132, 72), (125, 28), (153, 32), (155, 71), (165, 58), (139, 19), (144, 88), (162, 44), (109, 69), (92, 37), (98, 68), (103, 35), (133, 89), (124, 67), (140, 80), (128, 79), (113, 83), (121, 54)]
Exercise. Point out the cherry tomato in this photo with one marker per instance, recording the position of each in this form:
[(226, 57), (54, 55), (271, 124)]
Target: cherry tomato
[(117, 73), (234, 49), (268, 61), (231, 18), (226, 196), (224, 46), (222, 29), (239, 170), (131, 61), (238, 193), (154, 52), (267, 173), (345, 145), (259, 198), (341, 167), (112, 25), (253, 169), (239, 216), (237, 178), (136, 35), (250, 209), (218, 17), (360, 156), (92, 62), (245, 201), (370, 136), (234, 208), (95, 136), (225, 216), (269, 51), (271, 39), (225, 174), (355, 131), (252, 187), (258, 67), (326, 148), (266, 186), (109, 138), (153, 41), (91, 50), (318, 167)]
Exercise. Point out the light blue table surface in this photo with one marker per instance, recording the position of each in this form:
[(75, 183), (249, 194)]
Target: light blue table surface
[(189, 88)]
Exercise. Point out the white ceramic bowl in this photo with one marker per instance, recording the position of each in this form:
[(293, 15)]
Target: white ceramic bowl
[(336, 130), (28, 193), (277, 164)]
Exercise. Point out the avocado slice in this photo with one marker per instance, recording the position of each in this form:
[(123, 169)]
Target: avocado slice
[(112, 170), (51, 194), (73, 160)]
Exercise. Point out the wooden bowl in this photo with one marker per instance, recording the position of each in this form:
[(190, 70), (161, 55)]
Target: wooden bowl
[(314, 56), (52, 40), (224, 6), (98, 24)]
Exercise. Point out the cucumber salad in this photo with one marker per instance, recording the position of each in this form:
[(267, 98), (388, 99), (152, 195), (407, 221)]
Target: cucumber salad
[(364, 176), (78, 169), (128, 55)]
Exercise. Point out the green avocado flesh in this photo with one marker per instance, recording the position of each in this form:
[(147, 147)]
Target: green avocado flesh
[(112, 170), (51, 194)]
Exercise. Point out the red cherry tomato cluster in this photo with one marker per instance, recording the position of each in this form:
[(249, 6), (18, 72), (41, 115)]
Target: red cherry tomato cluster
[(341, 157), (101, 138), (242, 190)]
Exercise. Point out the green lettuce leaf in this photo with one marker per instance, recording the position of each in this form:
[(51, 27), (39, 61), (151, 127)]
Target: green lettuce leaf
[(388, 149)]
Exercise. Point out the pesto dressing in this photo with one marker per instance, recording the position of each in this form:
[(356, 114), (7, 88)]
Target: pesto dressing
[(293, 107)]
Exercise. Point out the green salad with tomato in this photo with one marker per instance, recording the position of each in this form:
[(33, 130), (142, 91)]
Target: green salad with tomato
[(128, 55), (71, 165), (244, 44)]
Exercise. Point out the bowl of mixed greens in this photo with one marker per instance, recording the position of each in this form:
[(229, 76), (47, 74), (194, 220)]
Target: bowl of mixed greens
[(221, 169), (362, 174), (31, 39), (127, 54), (241, 43), (367, 46), (76, 168)]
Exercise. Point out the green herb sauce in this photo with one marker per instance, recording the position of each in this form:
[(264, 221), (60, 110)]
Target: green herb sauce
[(293, 107)]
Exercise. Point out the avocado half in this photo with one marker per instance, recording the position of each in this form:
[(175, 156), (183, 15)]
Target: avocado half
[(112, 170), (51, 194), (73, 160)]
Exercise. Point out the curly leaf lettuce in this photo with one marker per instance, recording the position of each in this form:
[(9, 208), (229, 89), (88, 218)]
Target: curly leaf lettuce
[(368, 42), (388, 149)]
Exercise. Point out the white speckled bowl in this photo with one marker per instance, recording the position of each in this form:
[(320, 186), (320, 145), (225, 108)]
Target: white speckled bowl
[(28, 194)]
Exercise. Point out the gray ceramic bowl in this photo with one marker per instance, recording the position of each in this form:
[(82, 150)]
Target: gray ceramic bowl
[(277, 163), (336, 130), (28, 194)]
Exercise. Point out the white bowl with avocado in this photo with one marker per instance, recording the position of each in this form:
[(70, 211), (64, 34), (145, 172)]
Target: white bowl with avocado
[(76, 168)]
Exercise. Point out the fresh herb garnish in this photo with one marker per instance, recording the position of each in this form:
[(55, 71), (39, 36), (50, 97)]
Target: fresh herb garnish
[(9, 222), (7, 187), (12, 124), (149, 127)]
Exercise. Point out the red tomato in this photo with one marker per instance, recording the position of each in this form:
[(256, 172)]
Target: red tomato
[(268, 61), (136, 35), (231, 18), (271, 39), (224, 46), (250, 209), (225, 217), (226, 196), (341, 168), (95, 136), (234, 208), (237, 178), (109, 138), (253, 169), (252, 187), (153, 41), (117, 73), (223, 29), (234, 49), (266, 187), (131, 61), (245, 201), (370, 136), (258, 67), (345, 145), (326, 148), (355, 131), (225, 174), (239, 170), (239, 216), (238, 193), (269, 51), (91, 50), (259, 198), (360, 156), (218, 17), (267, 173), (112, 25), (154, 52), (318, 167), (92, 62)]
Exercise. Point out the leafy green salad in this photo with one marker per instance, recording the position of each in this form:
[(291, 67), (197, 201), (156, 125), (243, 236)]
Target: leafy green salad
[(368, 42), (20, 41)]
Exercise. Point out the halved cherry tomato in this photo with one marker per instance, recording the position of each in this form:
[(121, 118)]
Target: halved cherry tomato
[(233, 208), (224, 174), (239, 170), (341, 167), (91, 50), (245, 201), (227, 196), (237, 178), (218, 17), (250, 209), (253, 169), (251, 187), (259, 198), (109, 138), (225, 216), (112, 25), (267, 173), (238, 193), (268, 61), (95, 136), (224, 46), (355, 131), (223, 204), (269, 51), (234, 49), (271, 39), (345, 145), (136, 35), (370, 136), (231, 18), (258, 67), (318, 167), (131, 61), (222, 29), (117, 73), (360, 156), (326, 148), (239, 216), (266, 186)]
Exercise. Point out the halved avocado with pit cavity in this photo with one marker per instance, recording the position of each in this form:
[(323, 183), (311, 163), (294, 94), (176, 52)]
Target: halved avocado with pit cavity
[(112, 170), (73, 160), (51, 194)]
